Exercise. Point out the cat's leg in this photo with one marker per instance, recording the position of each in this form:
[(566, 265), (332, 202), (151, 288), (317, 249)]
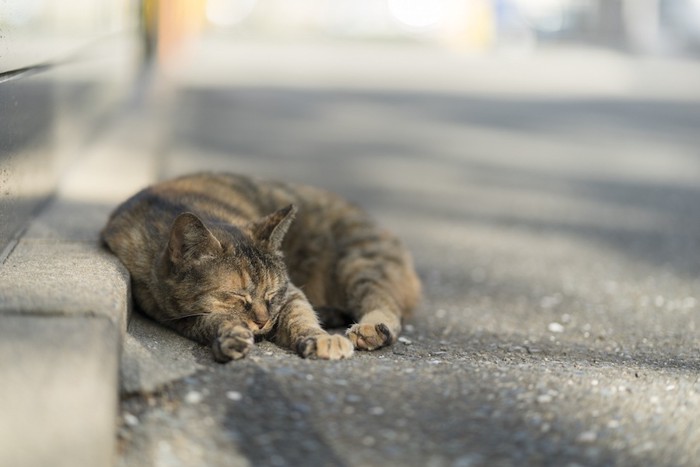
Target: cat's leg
[(298, 328), (229, 337), (380, 285)]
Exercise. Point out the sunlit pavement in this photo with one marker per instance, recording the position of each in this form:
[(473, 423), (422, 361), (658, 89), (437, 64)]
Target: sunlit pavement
[(553, 209)]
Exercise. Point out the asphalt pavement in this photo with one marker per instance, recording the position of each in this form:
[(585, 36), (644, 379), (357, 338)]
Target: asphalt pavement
[(552, 204)]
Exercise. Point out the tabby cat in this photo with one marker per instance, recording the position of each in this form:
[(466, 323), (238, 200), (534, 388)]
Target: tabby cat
[(223, 259)]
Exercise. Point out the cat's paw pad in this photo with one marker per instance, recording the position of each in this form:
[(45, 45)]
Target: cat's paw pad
[(370, 336), (326, 347), (233, 344)]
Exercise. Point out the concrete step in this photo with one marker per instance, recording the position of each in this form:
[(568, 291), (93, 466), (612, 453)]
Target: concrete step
[(64, 303)]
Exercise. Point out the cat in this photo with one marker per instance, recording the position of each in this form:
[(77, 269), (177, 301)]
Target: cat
[(224, 259)]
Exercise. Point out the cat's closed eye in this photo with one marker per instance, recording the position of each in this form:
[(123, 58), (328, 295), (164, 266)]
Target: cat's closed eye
[(239, 297), (274, 295), (270, 296)]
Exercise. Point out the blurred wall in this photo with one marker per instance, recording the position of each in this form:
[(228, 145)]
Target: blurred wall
[(65, 67)]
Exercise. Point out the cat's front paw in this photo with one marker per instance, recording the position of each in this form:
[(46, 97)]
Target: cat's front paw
[(326, 347), (370, 336), (233, 343)]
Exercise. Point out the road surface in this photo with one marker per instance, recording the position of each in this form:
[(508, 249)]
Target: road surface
[(552, 204)]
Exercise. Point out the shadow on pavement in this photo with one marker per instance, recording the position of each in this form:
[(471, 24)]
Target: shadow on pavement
[(270, 428)]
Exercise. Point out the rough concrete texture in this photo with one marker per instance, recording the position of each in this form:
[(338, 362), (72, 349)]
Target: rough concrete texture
[(64, 278), (554, 216), (57, 395)]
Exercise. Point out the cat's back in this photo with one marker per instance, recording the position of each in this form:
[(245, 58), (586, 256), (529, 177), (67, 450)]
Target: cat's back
[(231, 198), (140, 225), (218, 197)]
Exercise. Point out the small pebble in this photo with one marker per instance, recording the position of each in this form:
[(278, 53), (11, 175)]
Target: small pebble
[(647, 446), (544, 398), (405, 340), (234, 395), (613, 424), (376, 411), (193, 397), (130, 419), (587, 437), (555, 327)]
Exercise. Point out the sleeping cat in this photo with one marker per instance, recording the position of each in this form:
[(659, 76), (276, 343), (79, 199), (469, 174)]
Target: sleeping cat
[(223, 259)]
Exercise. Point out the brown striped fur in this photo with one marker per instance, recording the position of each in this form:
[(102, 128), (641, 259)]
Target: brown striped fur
[(223, 258)]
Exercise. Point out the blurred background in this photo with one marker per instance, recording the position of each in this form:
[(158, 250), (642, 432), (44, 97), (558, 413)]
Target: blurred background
[(471, 26)]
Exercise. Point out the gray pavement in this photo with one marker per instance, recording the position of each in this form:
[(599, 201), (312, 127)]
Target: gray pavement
[(554, 217)]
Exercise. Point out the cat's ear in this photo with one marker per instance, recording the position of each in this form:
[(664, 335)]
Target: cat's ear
[(190, 240), (270, 230)]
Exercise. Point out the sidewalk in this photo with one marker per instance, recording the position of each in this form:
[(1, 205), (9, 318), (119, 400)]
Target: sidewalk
[(64, 308)]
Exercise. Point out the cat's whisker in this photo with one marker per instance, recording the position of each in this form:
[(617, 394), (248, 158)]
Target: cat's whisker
[(186, 316)]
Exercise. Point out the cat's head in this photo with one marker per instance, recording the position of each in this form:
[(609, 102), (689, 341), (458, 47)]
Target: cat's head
[(227, 269)]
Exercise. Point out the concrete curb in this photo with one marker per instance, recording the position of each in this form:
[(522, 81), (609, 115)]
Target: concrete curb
[(64, 305), (62, 319)]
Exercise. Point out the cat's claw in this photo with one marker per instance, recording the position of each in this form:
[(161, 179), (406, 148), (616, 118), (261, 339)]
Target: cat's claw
[(233, 344), (370, 336), (326, 347)]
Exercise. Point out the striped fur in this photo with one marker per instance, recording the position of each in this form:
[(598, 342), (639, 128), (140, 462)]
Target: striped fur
[(223, 258)]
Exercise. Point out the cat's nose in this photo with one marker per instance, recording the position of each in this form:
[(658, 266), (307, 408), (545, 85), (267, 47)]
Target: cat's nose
[(260, 316), (260, 320)]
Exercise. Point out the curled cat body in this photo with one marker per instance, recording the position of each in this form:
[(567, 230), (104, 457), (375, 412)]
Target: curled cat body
[(224, 259)]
